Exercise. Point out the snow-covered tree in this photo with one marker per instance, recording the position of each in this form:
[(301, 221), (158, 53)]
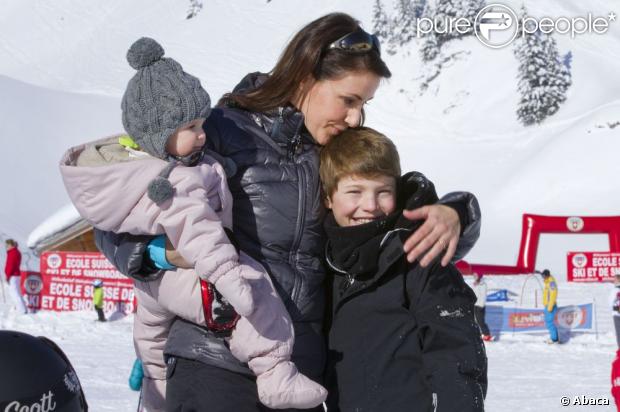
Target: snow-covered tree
[(568, 60), (430, 47), (418, 7), (442, 13), (445, 10), (471, 8), (194, 8), (380, 22), (543, 78), (404, 23)]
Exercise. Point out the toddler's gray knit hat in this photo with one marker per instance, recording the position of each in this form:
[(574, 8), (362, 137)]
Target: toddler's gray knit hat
[(159, 98)]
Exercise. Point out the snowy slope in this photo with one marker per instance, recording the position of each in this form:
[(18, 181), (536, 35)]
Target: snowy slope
[(525, 374), (461, 132), (63, 71)]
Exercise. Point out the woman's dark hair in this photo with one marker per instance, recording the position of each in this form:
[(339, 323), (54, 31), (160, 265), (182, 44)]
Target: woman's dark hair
[(308, 54)]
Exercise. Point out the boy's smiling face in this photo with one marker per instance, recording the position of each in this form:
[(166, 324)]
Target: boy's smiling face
[(358, 200)]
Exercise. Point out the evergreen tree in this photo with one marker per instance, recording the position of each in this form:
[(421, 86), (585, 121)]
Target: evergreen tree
[(443, 12), (560, 76), (471, 8), (568, 60), (404, 23), (418, 7), (430, 47), (543, 78), (446, 10), (380, 22), (194, 8)]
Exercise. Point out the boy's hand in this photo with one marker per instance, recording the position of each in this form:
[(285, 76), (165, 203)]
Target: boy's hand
[(440, 232)]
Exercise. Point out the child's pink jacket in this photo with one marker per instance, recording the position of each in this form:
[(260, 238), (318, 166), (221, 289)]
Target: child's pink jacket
[(108, 188)]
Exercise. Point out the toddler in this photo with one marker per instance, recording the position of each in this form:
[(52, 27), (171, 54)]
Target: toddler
[(167, 184)]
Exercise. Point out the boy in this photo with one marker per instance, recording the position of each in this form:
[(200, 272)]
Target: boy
[(402, 337), (161, 180), (98, 299)]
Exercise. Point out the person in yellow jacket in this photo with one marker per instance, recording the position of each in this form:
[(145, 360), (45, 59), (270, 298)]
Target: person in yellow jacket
[(98, 299), (550, 296)]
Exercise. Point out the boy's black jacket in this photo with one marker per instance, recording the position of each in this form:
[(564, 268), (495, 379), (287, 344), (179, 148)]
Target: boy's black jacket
[(402, 337)]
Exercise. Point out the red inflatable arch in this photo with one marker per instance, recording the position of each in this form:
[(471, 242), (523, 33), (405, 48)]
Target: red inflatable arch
[(534, 225)]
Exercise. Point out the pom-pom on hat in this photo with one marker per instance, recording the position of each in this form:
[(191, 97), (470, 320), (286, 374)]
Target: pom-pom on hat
[(159, 98), (143, 52)]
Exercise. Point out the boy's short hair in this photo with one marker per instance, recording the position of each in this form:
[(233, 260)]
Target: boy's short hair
[(359, 151), (10, 242)]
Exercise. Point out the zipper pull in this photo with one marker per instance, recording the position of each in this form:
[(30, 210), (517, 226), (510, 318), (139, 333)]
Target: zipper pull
[(346, 284), (296, 144), (293, 147)]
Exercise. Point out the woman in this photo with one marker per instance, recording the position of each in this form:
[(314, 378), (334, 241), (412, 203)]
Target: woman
[(13, 276), (268, 132)]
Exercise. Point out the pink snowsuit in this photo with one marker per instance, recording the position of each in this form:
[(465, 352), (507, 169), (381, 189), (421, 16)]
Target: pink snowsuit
[(108, 183)]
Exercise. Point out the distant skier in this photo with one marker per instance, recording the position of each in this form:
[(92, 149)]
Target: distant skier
[(98, 299), (480, 289), (13, 276), (550, 296)]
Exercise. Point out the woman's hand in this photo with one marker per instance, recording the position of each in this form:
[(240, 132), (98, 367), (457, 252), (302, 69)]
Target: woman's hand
[(440, 232), (174, 258)]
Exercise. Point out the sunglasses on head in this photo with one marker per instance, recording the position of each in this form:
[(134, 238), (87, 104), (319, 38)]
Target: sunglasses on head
[(358, 41)]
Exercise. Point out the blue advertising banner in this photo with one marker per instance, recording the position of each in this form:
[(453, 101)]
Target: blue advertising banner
[(574, 317), (498, 296)]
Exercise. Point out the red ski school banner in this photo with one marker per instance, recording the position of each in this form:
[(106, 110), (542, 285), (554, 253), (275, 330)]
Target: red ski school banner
[(66, 283), (592, 266)]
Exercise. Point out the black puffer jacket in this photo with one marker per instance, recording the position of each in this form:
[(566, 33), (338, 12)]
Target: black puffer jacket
[(402, 337), (277, 218)]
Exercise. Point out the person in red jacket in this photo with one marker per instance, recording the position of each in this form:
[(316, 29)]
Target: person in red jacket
[(615, 379), (13, 276)]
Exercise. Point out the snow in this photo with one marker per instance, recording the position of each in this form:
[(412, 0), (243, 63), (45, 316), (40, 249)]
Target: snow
[(62, 219), (525, 374), (63, 71)]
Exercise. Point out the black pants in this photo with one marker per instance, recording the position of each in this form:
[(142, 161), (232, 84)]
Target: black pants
[(479, 312), (100, 314), (196, 386)]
